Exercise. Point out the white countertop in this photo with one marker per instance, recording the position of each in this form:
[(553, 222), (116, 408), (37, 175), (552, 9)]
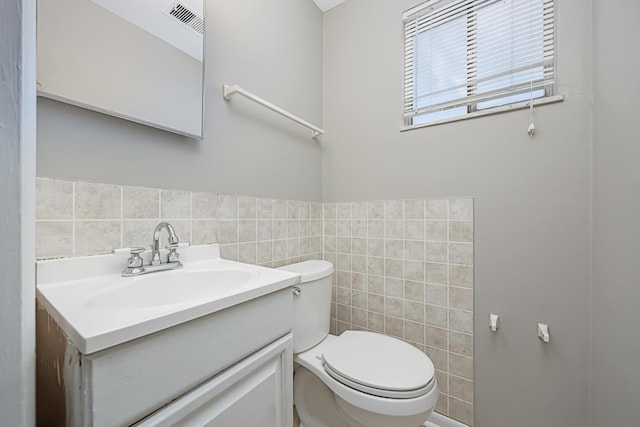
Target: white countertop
[(66, 287)]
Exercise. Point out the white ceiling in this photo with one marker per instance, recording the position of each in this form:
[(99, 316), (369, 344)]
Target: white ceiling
[(325, 5)]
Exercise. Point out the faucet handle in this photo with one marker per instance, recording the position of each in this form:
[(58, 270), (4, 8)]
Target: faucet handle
[(173, 255), (135, 260)]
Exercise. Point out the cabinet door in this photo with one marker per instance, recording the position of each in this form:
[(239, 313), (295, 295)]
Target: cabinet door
[(125, 383), (257, 391)]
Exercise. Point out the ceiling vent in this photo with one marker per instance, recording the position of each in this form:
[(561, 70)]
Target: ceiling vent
[(187, 16)]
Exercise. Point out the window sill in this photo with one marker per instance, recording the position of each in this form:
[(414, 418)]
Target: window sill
[(496, 110)]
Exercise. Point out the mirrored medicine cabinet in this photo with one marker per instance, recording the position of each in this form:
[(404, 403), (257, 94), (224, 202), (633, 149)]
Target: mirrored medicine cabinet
[(140, 61)]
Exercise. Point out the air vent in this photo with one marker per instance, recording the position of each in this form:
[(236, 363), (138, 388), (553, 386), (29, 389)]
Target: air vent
[(186, 16)]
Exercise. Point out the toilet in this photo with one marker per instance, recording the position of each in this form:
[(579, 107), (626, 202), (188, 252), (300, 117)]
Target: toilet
[(357, 379)]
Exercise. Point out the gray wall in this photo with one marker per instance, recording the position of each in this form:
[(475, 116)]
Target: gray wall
[(533, 196), (17, 216), (271, 48), (615, 299), (532, 201), (101, 60)]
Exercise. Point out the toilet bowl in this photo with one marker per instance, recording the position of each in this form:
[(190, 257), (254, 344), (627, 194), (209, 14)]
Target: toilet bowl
[(357, 379)]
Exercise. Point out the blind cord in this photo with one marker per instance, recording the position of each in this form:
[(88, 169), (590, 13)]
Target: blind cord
[(532, 127)]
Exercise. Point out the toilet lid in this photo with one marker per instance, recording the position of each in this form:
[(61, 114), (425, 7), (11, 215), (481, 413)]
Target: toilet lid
[(379, 364)]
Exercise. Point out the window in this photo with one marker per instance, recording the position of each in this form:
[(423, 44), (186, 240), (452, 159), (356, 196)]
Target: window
[(468, 56)]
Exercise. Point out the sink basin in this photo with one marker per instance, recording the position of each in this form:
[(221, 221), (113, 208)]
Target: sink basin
[(171, 288), (98, 308)]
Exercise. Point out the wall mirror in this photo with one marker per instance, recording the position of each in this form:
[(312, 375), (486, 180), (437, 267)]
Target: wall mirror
[(138, 60)]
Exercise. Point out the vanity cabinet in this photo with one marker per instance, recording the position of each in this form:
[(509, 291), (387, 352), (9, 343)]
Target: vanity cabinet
[(254, 392), (232, 367)]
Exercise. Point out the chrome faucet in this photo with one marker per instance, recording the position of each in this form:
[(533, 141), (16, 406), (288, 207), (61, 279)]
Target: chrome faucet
[(155, 246), (135, 264)]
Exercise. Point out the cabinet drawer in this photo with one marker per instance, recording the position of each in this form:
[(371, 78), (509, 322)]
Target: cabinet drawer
[(130, 381), (257, 391)]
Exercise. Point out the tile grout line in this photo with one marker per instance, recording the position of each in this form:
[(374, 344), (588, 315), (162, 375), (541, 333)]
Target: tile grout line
[(404, 229), (448, 306)]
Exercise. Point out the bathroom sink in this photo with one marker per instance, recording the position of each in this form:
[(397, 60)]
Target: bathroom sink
[(98, 308), (172, 288)]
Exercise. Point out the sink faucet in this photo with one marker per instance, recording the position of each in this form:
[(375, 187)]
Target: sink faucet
[(173, 244), (136, 263)]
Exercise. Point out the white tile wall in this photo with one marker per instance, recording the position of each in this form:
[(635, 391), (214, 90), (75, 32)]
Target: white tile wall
[(79, 218), (405, 268)]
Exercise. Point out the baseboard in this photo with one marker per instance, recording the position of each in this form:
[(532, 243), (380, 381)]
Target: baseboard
[(438, 420)]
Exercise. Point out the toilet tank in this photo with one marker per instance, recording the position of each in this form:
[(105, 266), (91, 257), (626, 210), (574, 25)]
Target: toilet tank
[(312, 306)]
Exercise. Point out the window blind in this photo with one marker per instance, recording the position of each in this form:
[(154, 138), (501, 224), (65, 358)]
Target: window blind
[(461, 56)]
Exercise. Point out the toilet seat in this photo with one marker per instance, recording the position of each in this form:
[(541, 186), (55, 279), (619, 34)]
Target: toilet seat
[(377, 391), (312, 360), (378, 365)]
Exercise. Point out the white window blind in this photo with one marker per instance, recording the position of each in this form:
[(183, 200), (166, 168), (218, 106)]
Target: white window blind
[(463, 56)]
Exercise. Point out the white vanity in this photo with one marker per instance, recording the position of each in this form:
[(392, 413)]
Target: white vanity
[(209, 345)]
